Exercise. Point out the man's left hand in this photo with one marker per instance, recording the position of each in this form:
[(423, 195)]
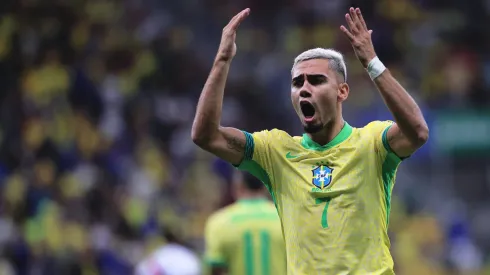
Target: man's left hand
[(359, 36)]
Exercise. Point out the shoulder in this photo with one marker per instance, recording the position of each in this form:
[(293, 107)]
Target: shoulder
[(272, 134), (376, 132), (377, 126), (275, 137), (221, 216), (373, 130)]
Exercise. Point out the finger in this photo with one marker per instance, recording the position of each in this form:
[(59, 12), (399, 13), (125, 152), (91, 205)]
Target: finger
[(233, 20), (347, 33), (361, 18), (239, 19), (351, 24), (355, 18), (244, 14)]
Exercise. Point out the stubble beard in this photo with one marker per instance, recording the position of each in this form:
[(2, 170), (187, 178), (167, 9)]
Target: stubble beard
[(313, 128)]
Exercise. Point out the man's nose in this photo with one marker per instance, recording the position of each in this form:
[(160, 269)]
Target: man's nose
[(304, 92)]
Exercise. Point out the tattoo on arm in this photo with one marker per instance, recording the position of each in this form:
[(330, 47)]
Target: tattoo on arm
[(235, 144)]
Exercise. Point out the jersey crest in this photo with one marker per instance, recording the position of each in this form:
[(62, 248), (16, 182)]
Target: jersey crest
[(322, 176)]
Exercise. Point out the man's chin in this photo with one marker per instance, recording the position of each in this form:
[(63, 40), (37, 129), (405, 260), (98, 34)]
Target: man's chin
[(313, 128)]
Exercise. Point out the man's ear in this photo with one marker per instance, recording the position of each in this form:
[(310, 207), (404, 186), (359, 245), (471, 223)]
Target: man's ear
[(343, 92)]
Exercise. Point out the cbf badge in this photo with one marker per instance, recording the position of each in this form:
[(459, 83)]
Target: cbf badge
[(322, 176)]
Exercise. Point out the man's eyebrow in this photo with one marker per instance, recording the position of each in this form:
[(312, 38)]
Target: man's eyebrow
[(317, 75), (308, 75), (301, 76)]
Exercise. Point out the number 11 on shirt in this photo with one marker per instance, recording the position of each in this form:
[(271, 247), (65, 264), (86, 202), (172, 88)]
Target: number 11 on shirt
[(324, 213)]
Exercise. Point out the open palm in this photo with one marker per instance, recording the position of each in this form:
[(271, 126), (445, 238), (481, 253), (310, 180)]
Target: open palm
[(359, 36), (227, 49)]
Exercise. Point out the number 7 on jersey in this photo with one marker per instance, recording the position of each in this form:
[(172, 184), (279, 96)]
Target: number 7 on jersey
[(325, 209)]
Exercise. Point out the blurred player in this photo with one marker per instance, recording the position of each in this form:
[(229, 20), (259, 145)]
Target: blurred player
[(332, 186), (173, 258), (246, 237)]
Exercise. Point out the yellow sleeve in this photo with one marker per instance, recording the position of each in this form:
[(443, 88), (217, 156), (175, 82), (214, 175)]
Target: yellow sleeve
[(379, 131), (261, 149), (387, 159), (214, 253), (257, 159)]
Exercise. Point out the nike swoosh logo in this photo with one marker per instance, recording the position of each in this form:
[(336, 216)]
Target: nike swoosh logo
[(289, 156)]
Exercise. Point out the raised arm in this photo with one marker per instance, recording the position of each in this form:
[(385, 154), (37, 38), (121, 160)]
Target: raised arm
[(225, 142), (410, 131)]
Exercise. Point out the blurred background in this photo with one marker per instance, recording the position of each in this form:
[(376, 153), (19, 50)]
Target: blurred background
[(97, 99)]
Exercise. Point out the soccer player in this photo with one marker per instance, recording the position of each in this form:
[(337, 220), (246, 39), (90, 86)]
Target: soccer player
[(245, 238), (332, 186)]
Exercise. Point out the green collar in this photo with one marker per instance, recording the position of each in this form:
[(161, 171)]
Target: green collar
[(308, 143)]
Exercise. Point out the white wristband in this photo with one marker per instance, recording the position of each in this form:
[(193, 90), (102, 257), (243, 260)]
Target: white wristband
[(375, 68)]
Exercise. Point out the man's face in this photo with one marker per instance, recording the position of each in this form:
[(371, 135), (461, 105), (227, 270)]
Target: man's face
[(316, 92)]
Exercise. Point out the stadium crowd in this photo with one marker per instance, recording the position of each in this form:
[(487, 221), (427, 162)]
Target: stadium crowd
[(98, 96)]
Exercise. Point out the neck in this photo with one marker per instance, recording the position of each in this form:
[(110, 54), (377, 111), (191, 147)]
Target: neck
[(329, 132)]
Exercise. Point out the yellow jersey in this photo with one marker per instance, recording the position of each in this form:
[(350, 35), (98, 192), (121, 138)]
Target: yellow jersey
[(246, 238), (333, 200)]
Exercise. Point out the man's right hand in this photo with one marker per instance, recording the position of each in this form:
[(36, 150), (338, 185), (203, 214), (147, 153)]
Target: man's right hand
[(225, 142), (227, 47)]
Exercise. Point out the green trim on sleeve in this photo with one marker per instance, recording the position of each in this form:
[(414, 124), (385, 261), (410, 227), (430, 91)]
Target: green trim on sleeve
[(249, 165), (249, 149), (384, 138), (249, 146), (387, 146), (388, 172)]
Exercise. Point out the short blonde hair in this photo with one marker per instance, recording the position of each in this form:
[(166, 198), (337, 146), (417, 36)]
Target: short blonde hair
[(335, 58)]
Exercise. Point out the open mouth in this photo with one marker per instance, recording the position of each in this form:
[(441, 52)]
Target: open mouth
[(307, 109)]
